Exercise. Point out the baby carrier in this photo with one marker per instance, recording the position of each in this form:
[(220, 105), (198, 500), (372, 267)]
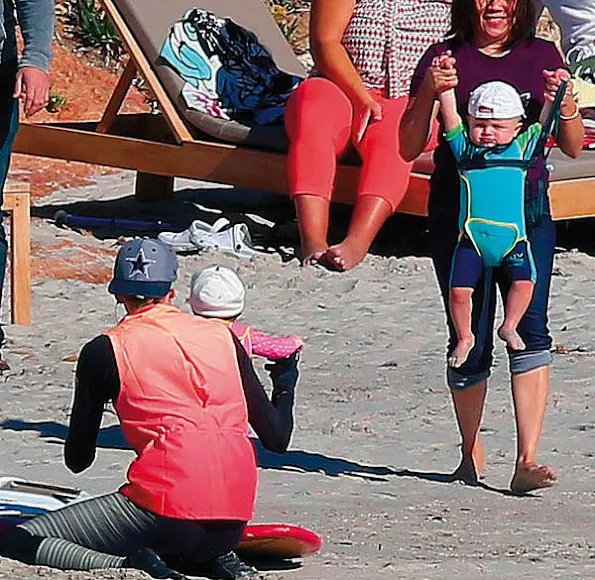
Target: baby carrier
[(495, 229)]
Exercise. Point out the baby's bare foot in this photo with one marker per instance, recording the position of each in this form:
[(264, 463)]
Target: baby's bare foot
[(529, 477), (511, 337), (461, 352)]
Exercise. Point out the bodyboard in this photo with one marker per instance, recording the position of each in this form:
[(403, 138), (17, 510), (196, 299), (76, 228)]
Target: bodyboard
[(278, 541)]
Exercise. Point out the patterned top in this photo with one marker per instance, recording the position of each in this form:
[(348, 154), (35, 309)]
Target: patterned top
[(386, 38)]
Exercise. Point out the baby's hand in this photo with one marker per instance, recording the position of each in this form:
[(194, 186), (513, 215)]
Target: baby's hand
[(445, 61), (443, 72)]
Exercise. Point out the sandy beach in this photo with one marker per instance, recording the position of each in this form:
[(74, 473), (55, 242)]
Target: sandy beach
[(375, 432)]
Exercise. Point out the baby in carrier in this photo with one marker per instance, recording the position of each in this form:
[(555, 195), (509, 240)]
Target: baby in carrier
[(493, 155), (217, 292)]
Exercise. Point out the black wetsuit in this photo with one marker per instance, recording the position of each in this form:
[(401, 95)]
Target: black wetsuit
[(103, 531)]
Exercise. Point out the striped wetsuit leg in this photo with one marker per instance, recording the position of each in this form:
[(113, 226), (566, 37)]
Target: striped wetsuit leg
[(96, 533)]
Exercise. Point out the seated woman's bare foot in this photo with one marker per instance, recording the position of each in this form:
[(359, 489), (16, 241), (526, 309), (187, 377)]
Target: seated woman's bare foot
[(461, 352), (312, 253), (346, 255), (511, 337), (530, 476)]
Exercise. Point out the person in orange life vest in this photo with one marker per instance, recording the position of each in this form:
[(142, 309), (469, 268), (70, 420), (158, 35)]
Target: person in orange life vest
[(185, 391), (218, 293)]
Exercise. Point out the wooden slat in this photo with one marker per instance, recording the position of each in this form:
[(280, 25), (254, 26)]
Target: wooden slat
[(17, 201), (120, 91), (245, 167), (215, 162), (166, 105), (573, 198)]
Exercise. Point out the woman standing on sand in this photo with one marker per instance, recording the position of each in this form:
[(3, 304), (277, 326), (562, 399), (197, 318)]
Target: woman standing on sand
[(365, 53), (494, 40)]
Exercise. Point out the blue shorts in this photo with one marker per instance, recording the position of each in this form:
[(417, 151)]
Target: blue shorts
[(468, 266)]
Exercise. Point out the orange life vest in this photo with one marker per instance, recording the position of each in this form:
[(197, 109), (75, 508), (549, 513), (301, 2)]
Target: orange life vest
[(183, 411)]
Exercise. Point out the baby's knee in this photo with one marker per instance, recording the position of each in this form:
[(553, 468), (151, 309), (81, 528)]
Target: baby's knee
[(460, 296)]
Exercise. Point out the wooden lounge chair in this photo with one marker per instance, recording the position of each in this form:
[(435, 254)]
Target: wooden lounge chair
[(182, 143)]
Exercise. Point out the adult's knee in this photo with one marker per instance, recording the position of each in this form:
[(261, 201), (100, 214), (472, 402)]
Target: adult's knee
[(459, 381), (522, 361), (316, 104), (19, 544)]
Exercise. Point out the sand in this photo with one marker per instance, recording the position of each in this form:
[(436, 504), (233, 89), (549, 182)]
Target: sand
[(375, 432)]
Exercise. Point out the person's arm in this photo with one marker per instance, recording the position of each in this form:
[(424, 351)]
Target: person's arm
[(422, 108), (328, 22), (571, 132), (36, 19), (271, 421), (97, 382), (448, 97)]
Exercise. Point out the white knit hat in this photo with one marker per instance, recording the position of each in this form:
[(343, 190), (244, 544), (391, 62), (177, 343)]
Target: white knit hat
[(495, 100), (217, 292)]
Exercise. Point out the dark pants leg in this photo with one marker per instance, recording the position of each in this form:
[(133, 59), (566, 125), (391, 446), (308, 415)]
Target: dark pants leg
[(100, 532), (443, 241), (9, 121), (533, 327)]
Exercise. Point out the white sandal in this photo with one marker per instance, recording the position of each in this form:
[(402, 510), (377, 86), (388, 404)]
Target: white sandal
[(220, 236)]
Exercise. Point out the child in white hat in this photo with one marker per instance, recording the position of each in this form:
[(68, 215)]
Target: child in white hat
[(493, 156), (217, 292)]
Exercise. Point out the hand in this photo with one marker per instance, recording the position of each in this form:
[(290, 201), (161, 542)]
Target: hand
[(553, 79), (364, 113), (441, 75), (284, 373), (33, 87)]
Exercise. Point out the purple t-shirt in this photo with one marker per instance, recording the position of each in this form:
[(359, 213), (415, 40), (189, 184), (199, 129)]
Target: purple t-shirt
[(522, 68)]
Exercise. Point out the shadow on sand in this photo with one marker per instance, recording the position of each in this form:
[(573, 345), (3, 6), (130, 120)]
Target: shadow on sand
[(254, 209), (293, 460)]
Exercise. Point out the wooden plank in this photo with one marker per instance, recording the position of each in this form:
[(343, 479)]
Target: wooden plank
[(215, 162), (572, 198), (17, 202), (120, 91), (166, 105)]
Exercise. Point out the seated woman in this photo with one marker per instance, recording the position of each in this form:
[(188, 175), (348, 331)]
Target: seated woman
[(184, 390), (365, 53)]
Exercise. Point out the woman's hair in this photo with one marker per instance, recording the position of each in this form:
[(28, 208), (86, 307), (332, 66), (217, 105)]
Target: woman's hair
[(464, 16)]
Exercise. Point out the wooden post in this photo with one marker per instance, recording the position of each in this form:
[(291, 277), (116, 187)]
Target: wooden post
[(151, 188), (17, 202)]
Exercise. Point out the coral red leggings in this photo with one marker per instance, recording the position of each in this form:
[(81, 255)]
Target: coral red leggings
[(318, 122)]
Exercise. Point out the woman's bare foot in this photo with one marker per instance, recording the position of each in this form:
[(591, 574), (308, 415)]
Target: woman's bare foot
[(466, 472), (471, 469), (346, 255), (530, 476), (511, 337), (312, 253), (461, 352)]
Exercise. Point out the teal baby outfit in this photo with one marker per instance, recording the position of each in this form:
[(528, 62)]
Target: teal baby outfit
[(492, 193)]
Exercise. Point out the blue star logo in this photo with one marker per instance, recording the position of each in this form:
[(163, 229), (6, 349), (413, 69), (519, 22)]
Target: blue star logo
[(140, 264)]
